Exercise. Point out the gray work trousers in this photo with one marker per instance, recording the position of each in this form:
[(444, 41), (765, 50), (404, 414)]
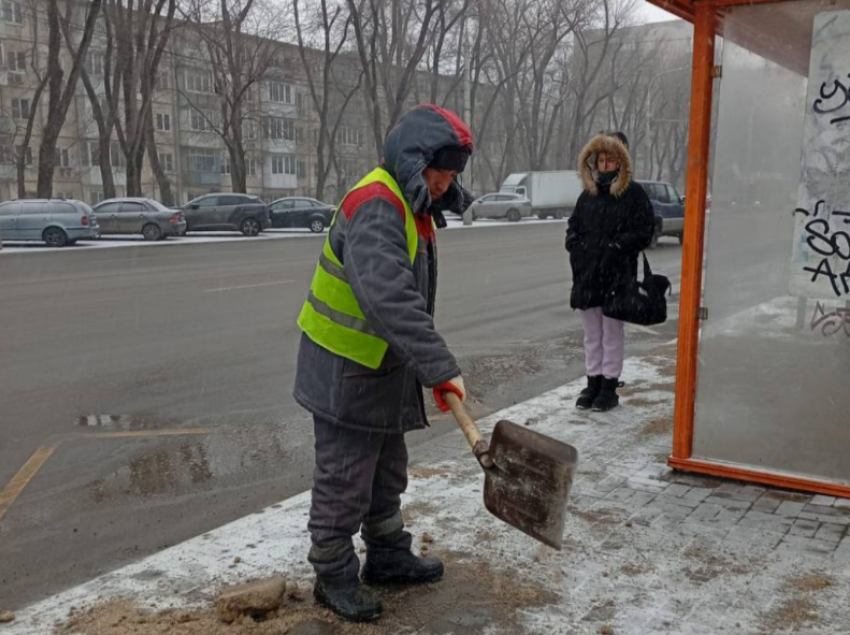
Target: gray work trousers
[(357, 485)]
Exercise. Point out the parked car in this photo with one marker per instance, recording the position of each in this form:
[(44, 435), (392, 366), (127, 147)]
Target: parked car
[(57, 222), (240, 212), (144, 216), (551, 193), (513, 207), (669, 209), (301, 212)]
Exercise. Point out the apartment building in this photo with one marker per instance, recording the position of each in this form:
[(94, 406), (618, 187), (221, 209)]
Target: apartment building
[(281, 125)]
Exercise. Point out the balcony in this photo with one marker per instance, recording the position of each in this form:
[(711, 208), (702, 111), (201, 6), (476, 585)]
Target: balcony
[(201, 179)]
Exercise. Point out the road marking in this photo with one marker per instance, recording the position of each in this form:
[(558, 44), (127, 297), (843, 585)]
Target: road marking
[(24, 476), (249, 286), (28, 472)]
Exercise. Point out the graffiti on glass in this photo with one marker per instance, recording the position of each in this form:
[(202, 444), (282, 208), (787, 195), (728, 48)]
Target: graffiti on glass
[(832, 322), (832, 100), (830, 244)]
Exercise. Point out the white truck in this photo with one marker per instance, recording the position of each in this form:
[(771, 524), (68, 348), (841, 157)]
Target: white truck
[(551, 193)]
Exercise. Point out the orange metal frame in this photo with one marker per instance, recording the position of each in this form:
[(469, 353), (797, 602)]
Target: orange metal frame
[(706, 16)]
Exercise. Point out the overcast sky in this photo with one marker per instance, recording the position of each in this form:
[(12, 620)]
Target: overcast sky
[(653, 14)]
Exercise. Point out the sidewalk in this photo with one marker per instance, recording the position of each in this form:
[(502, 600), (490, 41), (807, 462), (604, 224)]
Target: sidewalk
[(646, 550)]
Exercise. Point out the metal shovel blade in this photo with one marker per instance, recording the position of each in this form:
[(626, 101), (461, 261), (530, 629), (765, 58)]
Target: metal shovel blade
[(530, 482)]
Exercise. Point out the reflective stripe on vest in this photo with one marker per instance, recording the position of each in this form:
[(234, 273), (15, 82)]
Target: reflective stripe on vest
[(331, 316)]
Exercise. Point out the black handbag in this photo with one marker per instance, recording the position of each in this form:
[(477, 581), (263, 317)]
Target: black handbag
[(639, 301)]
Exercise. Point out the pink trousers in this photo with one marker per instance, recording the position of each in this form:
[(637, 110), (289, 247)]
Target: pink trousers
[(604, 344)]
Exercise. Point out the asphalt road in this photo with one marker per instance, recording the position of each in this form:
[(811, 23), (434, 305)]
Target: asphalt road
[(157, 383)]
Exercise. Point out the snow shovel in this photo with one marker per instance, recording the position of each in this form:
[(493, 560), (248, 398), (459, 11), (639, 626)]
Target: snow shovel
[(528, 476)]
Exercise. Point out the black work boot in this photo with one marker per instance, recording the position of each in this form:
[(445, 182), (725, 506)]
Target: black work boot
[(348, 599), (607, 399), (589, 394), (396, 566)]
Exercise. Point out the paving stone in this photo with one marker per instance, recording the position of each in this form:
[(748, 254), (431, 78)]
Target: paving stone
[(754, 539), (842, 554), (765, 522), (825, 514), (610, 483), (699, 493), (790, 509), (831, 532), (804, 528), (654, 488), (842, 503), (682, 502), (767, 504), (804, 546), (676, 490), (728, 503), (734, 491), (826, 501), (621, 494), (795, 497), (706, 511), (703, 529)]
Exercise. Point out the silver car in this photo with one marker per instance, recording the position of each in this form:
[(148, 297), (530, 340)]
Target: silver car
[(57, 222), (513, 207), (144, 216)]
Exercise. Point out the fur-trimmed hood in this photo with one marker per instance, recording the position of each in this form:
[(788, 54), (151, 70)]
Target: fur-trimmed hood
[(587, 164)]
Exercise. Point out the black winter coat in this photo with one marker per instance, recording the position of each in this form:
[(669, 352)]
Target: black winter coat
[(605, 236)]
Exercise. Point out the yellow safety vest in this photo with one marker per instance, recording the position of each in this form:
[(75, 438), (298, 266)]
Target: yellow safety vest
[(331, 316)]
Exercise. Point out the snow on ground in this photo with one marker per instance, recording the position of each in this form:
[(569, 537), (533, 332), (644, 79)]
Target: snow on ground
[(646, 550), (197, 238)]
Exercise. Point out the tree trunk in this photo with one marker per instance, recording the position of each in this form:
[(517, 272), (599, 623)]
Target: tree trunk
[(135, 162), (166, 196), (47, 159), (22, 176), (105, 165)]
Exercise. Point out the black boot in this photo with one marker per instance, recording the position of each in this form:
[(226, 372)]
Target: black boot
[(348, 599), (607, 399), (589, 394), (392, 565)]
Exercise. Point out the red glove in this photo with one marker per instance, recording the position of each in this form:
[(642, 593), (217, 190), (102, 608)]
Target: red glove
[(453, 385)]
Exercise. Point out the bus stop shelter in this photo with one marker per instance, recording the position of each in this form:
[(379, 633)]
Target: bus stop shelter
[(763, 375)]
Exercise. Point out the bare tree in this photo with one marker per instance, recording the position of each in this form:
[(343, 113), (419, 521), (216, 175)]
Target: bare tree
[(392, 37), (239, 40), (330, 95), (60, 87)]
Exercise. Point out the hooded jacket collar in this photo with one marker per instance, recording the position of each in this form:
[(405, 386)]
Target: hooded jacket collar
[(412, 143), (587, 164)]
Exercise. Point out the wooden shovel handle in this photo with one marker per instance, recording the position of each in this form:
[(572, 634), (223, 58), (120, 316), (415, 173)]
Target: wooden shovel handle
[(480, 447)]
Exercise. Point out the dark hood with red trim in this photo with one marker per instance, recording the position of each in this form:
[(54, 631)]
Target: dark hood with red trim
[(411, 145)]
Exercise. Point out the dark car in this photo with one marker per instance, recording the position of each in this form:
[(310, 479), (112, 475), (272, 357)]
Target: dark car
[(669, 209), (301, 212), (214, 212), (144, 216)]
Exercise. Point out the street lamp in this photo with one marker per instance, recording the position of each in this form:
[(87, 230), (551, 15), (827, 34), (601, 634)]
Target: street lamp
[(649, 114)]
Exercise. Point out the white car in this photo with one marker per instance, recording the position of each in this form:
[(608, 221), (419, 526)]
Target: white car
[(513, 207)]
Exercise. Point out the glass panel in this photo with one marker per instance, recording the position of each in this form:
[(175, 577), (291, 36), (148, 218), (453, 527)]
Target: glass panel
[(775, 353)]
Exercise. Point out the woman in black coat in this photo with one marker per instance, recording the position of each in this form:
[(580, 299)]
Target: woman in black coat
[(612, 223)]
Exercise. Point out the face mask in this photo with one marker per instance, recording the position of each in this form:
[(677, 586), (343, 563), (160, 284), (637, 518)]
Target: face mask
[(607, 178)]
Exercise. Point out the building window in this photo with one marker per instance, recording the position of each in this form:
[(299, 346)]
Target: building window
[(302, 170), (91, 154), (284, 164), (63, 158), (251, 167), (280, 92), (163, 81), (94, 63), (166, 162), (17, 62), (26, 153), (349, 136), (248, 130), (201, 121), (96, 196), (203, 161), (116, 157), (225, 164), (198, 82), (280, 128), (20, 108), (13, 12), (163, 122)]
